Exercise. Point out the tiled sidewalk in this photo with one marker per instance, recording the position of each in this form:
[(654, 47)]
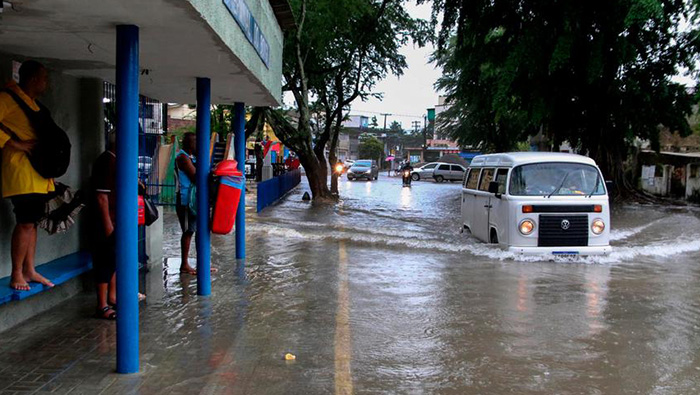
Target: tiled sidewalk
[(188, 344)]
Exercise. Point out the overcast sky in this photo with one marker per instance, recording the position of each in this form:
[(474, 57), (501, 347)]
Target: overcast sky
[(408, 96)]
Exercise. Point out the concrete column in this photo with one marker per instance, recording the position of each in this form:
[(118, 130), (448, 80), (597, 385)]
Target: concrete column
[(203, 239), (239, 135), (267, 167), (126, 231)]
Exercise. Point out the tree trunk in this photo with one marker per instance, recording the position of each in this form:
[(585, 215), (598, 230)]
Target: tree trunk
[(332, 155), (610, 154), (300, 142)]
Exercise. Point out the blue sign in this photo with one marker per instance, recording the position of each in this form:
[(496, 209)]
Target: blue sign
[(245, 20)]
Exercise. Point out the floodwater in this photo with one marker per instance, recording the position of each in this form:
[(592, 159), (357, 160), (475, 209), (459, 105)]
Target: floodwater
[(382, 294), (425, 309)]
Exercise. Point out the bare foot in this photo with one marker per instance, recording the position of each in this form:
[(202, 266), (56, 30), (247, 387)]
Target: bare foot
[(37, 278), (19, 284), (187, 269)]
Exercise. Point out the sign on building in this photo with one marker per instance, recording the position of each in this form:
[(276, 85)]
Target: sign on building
[(245, 20)]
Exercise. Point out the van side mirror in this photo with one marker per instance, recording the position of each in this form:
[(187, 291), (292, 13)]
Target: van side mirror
[(493, 187)]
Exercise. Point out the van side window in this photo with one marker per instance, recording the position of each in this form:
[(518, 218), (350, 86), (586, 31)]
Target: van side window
[(502, 178), (486, 178), (444, 167), (473, 178), (457, 168)]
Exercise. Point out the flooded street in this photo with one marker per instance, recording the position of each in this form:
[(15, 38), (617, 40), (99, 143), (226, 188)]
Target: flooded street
[(382, 294), (428, 309)]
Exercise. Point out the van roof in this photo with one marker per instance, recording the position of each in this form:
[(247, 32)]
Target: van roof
[(511, 159)]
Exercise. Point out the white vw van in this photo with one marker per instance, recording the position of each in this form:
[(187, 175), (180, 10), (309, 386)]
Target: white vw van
[(537, 203)]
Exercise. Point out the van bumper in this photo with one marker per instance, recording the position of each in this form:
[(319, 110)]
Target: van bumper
[(563, 251)]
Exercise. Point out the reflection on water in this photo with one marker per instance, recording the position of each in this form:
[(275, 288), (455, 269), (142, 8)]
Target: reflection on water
[(382, 294), (405, 198)]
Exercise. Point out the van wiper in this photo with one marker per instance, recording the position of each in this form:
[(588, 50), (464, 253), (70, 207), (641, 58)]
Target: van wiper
[(595, 187), (560, 185)]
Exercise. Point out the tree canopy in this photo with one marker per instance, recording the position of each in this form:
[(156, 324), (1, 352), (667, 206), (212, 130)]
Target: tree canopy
[(371, 148), (337, 54), (596, 74)]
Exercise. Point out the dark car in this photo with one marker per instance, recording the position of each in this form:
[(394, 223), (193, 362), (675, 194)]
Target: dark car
[(364, 168)]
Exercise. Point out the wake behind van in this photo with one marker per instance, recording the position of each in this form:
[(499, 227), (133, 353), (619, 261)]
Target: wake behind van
[(537, 203)]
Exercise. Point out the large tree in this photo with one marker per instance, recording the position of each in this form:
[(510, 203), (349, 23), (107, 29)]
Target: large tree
[(596, 74), (337, 54)]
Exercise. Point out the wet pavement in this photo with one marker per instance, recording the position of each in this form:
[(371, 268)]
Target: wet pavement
[(382, 294)]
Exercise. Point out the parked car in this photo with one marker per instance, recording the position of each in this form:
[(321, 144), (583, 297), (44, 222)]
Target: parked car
[(423, 172), (448, 172), (364, 168), (538, 203)]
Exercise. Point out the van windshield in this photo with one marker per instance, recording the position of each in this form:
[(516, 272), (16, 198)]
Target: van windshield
[(363, 163), (556, 179)]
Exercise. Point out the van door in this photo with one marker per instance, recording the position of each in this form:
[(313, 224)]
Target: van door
[(482, 206), (499, 216), (471, 183)]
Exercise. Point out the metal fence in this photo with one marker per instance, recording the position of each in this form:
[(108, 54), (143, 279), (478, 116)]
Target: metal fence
[(275, 188), (155, 162)]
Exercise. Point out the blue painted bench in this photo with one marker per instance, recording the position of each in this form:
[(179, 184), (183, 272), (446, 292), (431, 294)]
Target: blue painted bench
[(58, 272)]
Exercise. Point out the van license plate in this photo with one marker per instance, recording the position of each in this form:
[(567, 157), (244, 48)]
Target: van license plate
[(566, 254)]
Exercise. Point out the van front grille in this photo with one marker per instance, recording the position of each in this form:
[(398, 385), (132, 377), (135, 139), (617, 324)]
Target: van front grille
[(554, 232)]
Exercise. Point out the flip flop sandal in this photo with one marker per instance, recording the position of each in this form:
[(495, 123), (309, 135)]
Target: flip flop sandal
[(102, 314)]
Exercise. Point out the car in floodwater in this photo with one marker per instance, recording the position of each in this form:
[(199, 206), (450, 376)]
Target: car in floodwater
[(364, 168), (448, 172), (537, 203), (424, 172)]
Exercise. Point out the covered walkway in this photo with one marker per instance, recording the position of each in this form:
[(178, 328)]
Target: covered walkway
[(188, 51)]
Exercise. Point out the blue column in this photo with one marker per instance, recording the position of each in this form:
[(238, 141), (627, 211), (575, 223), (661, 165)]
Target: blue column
[(203, 239), (126, 231), (239, 135)]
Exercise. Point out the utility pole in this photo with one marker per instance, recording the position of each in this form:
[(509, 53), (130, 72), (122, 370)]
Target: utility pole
[(416, 125), (385, 146), (425, 142), (385, 115)]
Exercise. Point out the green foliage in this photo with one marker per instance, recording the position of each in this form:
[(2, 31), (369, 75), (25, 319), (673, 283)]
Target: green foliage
[(337, 54), (597, 74), (395, 126), (371, 148)]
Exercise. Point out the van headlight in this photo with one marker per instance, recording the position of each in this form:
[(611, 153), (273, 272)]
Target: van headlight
[(598, 226), (526, 227)]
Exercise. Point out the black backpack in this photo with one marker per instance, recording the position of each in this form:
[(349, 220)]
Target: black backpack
[(50, 156)]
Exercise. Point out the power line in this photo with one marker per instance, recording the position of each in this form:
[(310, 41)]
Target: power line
[(354, 112)]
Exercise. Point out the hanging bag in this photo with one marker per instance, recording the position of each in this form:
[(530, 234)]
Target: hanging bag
[(50, 156)]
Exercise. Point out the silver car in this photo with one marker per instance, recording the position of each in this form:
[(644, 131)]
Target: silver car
[(424, 172), (364, 168), (448, 172)]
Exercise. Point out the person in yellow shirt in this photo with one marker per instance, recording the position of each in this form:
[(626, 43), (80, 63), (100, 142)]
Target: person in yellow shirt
[(27, 190)]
